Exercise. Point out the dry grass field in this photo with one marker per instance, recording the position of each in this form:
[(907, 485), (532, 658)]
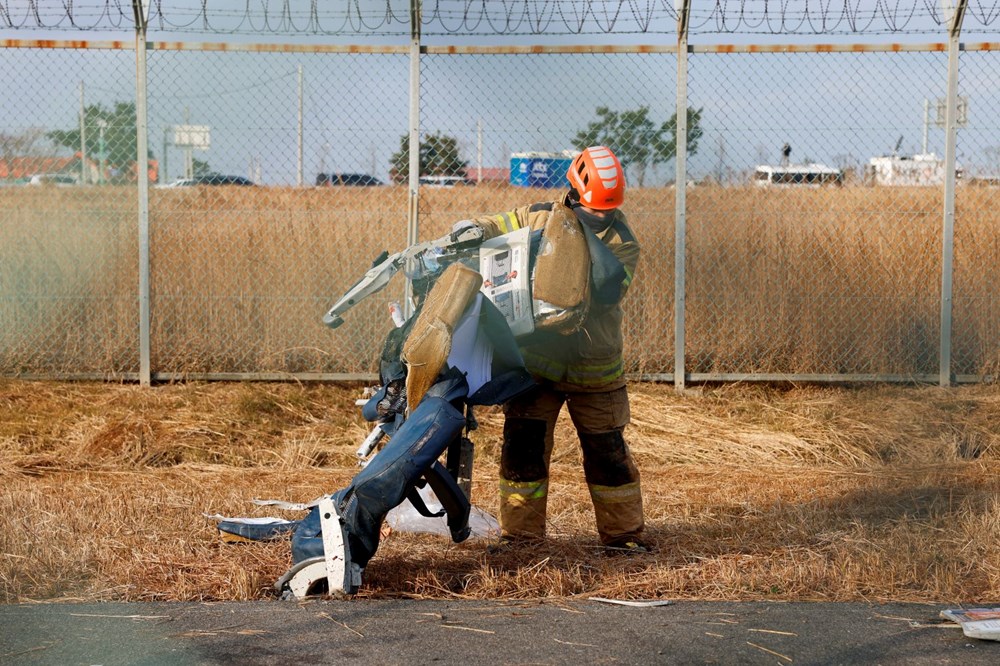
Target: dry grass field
[(751, 492), (831, 280)]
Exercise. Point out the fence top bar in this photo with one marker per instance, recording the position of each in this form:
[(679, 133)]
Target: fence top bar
[(552, 48), (839, 48), (65, 44), (491, 50), (278, 48)]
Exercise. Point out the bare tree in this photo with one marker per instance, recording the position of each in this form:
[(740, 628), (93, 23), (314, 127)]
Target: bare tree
[(30, 142)]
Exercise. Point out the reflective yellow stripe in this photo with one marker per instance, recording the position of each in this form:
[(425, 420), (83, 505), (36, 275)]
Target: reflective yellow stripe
[(508, 222), (595, 375), (577, 373), (543, 367), (628, 276), (615, 494), (528, 490)]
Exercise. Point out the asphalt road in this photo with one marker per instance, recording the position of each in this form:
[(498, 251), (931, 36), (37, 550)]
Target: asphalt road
[(475, 632)]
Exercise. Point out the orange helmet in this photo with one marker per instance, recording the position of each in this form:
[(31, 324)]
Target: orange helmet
[(597, 176)]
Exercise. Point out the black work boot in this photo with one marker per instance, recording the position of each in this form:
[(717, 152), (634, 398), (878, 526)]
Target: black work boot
[(628, 546)]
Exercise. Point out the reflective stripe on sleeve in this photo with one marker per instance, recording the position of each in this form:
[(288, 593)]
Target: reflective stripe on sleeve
[(507, 222)]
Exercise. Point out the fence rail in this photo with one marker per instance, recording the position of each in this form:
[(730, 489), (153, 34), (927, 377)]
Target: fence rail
[(886, 275)]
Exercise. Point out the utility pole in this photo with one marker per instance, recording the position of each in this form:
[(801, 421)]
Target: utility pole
[(299, 177), (189, 150), (720, 170), (83, 139), (927, 120), (102, 152), (323, 151), (479, 151), (163, 172)]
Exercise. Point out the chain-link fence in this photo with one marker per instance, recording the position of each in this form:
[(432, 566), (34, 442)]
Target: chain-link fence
[(815, 225), (68, 253), (838, 279)]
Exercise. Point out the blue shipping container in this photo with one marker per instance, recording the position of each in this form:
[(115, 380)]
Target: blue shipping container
[(540, 169)]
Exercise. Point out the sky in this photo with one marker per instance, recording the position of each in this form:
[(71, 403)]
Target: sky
[(838, 109)]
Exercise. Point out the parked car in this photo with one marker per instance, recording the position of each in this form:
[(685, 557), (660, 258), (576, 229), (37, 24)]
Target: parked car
[(210, 179), (180, 182), (352, 179), (219, 179)]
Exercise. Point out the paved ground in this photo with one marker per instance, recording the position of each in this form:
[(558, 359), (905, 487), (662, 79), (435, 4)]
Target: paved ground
[(473, 632)]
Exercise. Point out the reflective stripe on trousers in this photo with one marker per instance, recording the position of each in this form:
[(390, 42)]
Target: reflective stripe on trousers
[(522, 507), (617, 510)]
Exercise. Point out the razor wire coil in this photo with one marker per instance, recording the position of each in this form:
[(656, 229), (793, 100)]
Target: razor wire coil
[(391, 18)]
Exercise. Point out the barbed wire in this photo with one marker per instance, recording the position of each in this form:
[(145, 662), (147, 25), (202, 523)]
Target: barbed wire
[(391, 18)]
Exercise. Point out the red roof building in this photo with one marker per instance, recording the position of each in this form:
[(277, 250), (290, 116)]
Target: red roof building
[(23, 168), (490, 174)]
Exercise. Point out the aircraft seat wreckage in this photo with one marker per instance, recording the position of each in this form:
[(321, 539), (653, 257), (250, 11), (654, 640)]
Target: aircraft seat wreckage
[(456, 352)]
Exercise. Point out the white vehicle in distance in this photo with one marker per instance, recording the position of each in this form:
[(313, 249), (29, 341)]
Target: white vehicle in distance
[(444, 181), (61, 179)]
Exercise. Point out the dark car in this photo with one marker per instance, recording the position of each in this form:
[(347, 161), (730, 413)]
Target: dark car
[(220, 179), (209, 179), (355, 179)]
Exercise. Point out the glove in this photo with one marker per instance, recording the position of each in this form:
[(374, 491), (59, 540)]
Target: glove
[(465, 232)]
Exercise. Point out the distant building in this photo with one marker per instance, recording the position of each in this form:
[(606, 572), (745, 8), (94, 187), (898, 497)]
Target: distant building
[(490, 175), (541, 169), (22, 169), (797, 175), (924, 169)]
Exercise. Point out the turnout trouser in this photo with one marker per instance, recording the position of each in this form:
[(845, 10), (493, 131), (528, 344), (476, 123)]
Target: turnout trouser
[(612, 477)]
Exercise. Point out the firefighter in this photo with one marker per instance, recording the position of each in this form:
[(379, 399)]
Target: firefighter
[(583, 370)]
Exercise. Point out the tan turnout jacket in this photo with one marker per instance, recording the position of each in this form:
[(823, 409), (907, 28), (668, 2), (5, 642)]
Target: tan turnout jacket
[(590, 358)]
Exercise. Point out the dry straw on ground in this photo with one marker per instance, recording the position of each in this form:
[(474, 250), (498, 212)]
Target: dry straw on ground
[(751, 492)]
